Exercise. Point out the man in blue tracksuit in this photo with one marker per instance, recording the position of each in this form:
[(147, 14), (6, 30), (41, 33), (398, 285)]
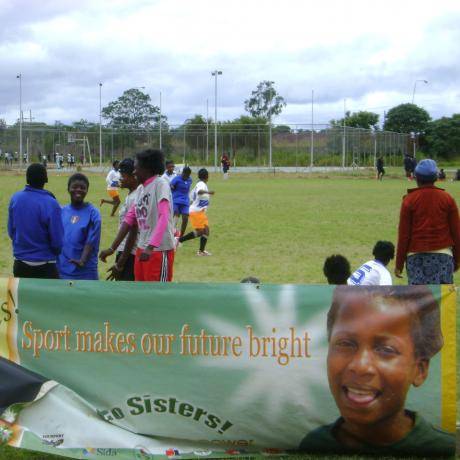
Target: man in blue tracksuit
[(35, 227)]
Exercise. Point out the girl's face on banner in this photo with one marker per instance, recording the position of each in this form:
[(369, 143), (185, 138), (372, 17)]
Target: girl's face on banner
[(371, 359)]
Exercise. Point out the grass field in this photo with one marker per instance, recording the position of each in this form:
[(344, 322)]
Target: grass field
[(278, 227)]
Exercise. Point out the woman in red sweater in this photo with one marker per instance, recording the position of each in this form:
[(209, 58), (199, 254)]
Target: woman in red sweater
[(429, 231)]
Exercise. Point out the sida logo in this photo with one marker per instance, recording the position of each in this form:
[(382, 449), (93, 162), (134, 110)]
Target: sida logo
[(271, 452)]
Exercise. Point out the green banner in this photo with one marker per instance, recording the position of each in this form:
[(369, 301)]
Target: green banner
[(151, 370)]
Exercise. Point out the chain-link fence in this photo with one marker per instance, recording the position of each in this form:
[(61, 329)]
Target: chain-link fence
[(247, 145)]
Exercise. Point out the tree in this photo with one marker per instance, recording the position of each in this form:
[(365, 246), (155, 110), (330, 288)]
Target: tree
[(442, 137), (361, 119), (407, 118), (132, 109), (281, 129), (265, 101), (195, 131), (83, 125), (2, 123)]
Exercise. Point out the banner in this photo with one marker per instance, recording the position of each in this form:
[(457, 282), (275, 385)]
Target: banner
[(151, 370)]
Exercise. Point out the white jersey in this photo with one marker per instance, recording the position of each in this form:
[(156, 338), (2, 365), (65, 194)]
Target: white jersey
[(200, 202), (124, 208), (113, 180), (146, 207), (169, 177), (372, 273)]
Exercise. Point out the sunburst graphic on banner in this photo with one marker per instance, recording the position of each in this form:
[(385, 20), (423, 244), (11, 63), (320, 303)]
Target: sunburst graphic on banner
[(279, 389)]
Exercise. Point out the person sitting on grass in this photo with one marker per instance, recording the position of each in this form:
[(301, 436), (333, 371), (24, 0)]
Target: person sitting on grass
[(336, 269), (250, 280), (198, 217), (381, 341), (374, 272), (113, 187)]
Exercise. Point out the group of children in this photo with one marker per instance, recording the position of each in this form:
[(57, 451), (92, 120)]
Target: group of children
[(158, 197), (372, 273), (50, 241), (381, 340)]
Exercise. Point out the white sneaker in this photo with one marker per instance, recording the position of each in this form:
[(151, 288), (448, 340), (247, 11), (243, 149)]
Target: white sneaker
[(203, 253)]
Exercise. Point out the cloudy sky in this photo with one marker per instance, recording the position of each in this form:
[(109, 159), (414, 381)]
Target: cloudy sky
[(368, 53)]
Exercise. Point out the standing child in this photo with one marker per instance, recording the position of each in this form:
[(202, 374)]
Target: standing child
[(152, 215), (225, 161), (198, 217), (82, 233), (35, 227), (170, 173), (180, 187), (380, 168), (113, 187), (123, 268)]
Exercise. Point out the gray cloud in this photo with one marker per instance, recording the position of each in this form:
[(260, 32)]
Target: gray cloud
[(62, 67)]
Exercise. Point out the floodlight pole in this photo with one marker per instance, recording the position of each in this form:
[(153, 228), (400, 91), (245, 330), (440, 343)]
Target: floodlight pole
[(215, 73), (100, 125), (270, 130), (160, 122), (344, 145), (415, 86), (207, 131), (375, 148), (312, 127), (20, 120)]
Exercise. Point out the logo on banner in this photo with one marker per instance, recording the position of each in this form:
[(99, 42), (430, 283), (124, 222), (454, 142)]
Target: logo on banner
[(272, 452), (170, 453), (142, 453), (54, 439), (202, 452), (89, 451)]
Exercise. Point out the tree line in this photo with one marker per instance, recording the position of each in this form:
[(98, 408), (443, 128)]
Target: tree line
[(133, 111)]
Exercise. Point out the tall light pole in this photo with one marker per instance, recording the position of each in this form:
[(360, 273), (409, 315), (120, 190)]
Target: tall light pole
[(413, 98), (344, 141), (207, 131), (312, 127), (20, 120), (100, 125), (415, 86), (215, 74), (160, 122), (270, 130)]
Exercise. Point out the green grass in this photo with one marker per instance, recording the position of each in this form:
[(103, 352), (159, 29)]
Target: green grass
[(278, 227)]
